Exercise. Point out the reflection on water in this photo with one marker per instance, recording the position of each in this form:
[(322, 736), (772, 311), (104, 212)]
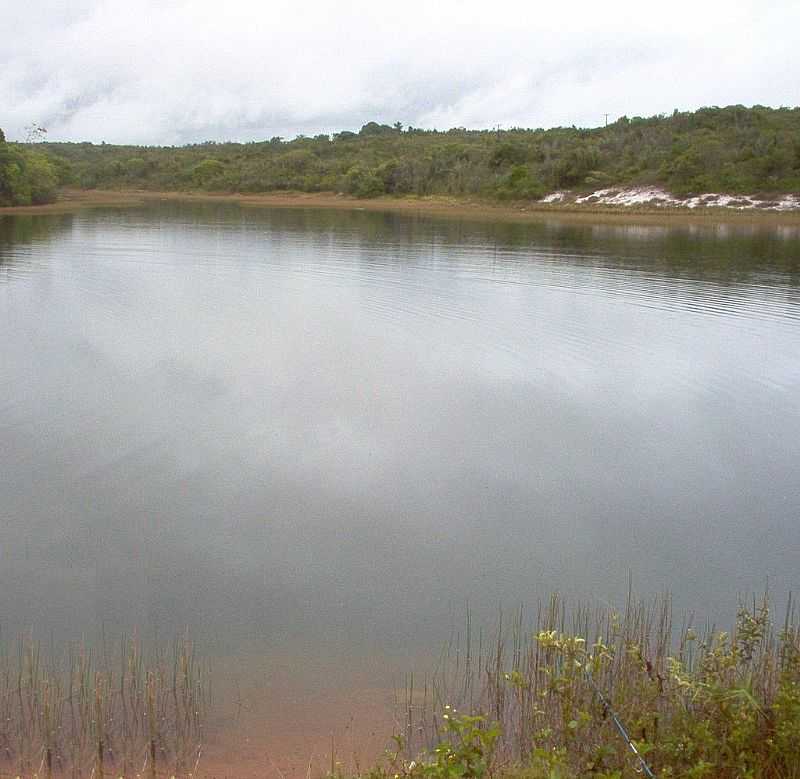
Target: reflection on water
[(320, 433), (19, 234)]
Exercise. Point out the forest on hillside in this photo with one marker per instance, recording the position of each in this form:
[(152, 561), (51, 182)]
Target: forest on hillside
[(736, 149)]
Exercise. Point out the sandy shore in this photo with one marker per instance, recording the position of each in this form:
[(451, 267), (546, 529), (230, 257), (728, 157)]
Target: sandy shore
[(72, 200)]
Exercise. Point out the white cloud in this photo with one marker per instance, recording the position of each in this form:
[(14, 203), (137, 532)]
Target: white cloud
[(174, 71)]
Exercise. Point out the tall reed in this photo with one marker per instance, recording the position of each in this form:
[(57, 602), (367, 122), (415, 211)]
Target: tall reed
[(89, 713)]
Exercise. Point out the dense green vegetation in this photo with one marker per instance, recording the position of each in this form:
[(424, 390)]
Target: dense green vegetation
[(28, 176), (734, 149), (722, 705)]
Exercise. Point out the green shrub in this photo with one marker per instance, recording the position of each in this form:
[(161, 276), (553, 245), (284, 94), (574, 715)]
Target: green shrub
[(466, 751), (204, 172), (42, 177), (362, 182), (518, 184)]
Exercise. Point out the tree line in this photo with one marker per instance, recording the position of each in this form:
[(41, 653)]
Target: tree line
[(736, 149)]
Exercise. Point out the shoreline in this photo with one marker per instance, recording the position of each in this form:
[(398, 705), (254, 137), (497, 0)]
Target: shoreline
[(71, 200)]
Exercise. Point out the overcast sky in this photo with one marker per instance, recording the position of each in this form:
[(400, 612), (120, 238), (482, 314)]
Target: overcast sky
[(179, 71)]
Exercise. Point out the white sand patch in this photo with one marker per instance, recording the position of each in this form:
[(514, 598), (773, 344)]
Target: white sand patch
[(788, 203), (629, 197), (715, 200), (595, 197), (655, 196)]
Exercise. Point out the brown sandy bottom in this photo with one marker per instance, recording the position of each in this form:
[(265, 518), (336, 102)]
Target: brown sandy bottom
[(272, 716), (296, 735), (279, 715), (462, 208)]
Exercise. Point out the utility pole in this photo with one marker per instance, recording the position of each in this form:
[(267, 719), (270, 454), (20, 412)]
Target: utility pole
[(606, 116)]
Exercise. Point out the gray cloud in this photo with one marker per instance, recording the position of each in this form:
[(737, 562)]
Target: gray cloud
[(176, 71)]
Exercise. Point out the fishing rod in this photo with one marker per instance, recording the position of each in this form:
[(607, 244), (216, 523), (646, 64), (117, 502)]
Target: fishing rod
[(643, 766)]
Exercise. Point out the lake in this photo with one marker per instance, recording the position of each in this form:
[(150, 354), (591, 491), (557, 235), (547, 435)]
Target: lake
[(314, 436)]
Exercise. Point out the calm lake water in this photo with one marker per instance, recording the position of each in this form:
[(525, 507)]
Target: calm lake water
[(314, 436)]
